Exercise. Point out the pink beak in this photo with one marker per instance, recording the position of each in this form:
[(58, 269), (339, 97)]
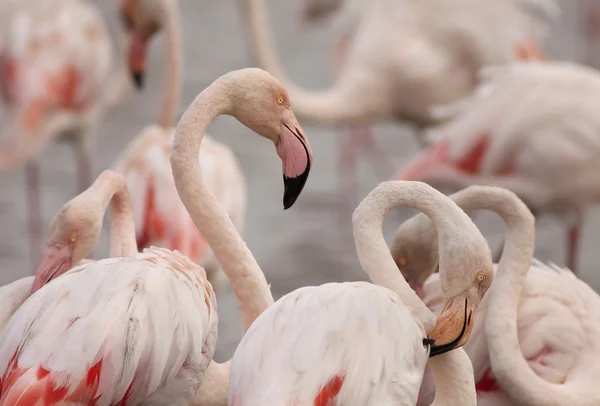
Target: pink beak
[(56, 262)]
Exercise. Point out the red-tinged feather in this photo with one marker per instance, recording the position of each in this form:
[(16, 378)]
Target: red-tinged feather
[(487, 383), (329, 392)]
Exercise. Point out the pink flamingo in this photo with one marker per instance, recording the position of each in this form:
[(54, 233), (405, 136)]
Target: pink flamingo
[(398, 58), (362, 343), (143, 329), (55, 62), (161, 218), (532, 128), (72, 233), (534, 340)]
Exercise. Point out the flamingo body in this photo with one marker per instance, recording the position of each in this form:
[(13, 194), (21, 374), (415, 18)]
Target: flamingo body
[(12, 296), (335, 344), (114, 332), (161, 218)]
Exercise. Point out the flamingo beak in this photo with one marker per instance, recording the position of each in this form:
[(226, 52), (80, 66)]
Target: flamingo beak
[(296, 155), (453, 326), (57, 261), (138, 49)]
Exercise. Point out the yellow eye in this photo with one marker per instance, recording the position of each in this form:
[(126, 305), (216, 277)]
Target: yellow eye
[(402, 261), (479, 277), (280, 100), (74, 238)]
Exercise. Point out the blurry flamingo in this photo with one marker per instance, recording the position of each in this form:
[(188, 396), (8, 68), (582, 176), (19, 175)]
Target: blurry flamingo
[(531, 128), (591, 34), (55, 63), (160, 216), (73, 232), (367, 344), (398, 58), (152, 341), (547, 313)]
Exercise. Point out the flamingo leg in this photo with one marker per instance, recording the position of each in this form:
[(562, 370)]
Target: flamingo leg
[(84, 168), (573, 247), (347, 161), (34, 215), (363, 135)]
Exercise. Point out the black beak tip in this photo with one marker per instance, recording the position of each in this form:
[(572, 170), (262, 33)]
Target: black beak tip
[(293, 188), (138, 79)]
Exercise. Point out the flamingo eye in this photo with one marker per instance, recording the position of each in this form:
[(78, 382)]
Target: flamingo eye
[(74, 238), (480, 277), (402, 261), (280, 100)]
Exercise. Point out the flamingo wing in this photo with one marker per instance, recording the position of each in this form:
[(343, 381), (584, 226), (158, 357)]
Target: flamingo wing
[(335, 344), (12, 297), (112, 332)]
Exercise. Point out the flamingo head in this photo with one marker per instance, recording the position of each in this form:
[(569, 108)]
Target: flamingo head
[(142, 19), (71, 236), (264, 107), (455, 323)]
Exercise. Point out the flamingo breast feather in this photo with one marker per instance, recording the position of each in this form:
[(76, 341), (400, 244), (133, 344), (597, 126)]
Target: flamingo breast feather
[(335, 344), (132, 331)]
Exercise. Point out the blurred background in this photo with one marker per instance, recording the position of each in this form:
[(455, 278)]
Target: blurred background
[(312, 242)]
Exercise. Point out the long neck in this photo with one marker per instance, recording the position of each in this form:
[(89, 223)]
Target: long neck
[(357, 95), (510, 368), (172, 82), (238, 263), (214, 390), (375, 258), (373, 252), (122, 227), (454, 379)]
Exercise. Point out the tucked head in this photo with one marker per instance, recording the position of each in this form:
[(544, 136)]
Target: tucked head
[(262, 104), (142, 19), (72, 234)]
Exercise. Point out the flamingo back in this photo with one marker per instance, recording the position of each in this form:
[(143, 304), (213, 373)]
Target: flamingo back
[(54, 63), (12, 296), (334, 344), (161, 218), (116, 331)]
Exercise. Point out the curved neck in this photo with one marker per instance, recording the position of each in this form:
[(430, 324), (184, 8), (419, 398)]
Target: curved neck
[(238, 263), (375, 258), (452, 224), (173, 50), (454, 379), (113, 189), (357, 96), (214, 390)]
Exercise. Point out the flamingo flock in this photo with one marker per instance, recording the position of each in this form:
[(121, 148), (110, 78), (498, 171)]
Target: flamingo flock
[(439, 321)]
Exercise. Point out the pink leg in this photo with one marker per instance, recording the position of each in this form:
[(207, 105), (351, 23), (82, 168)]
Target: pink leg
[(84, 168), (573, 248), (363, 135), (34, 215), (347, 161)]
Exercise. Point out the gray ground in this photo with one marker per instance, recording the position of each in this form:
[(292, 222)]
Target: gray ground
[(309, 244)]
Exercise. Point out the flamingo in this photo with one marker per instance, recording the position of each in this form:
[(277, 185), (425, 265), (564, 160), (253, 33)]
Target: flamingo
[(143, 331), (397, 59), (544, 350), (76, 227), (161, 219), (532, 128), (55, 64), (363, 343)]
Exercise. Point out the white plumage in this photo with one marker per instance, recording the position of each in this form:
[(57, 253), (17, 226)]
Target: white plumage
[(142, 330)]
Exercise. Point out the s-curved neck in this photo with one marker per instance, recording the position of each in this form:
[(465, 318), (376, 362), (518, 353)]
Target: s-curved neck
[(238, 263), (113, 189), (357, 95), (173, 49), (375, 258)]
